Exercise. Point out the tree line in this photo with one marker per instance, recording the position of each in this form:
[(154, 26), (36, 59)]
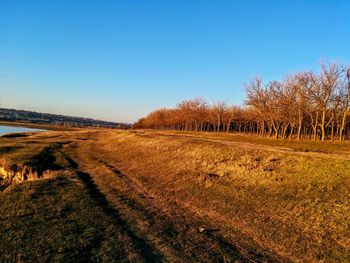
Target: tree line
[(307, 105)]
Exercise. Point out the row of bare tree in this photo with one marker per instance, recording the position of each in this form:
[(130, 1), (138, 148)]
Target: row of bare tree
[(304, 105)]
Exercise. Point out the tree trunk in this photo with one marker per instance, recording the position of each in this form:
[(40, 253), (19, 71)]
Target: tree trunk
[(285, 131), (342, 126), (228, 127), (291, 131), (314, 126), (332, 130), (300, 123), (323, 120)]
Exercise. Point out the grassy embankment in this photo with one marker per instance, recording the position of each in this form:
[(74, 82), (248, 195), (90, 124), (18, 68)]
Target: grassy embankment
[(59, 215), (289, 198), (294, 201), (56, 220)]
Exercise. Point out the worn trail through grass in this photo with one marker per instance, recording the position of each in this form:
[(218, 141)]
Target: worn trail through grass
[(159, 231)]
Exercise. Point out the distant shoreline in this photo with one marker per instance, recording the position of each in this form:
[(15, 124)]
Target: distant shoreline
[(49, 127)]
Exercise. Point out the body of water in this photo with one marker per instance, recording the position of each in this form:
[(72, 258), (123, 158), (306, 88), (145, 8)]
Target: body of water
[(14, 129)]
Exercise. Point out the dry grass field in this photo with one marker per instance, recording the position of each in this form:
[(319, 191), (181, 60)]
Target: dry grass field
[(153, 196)]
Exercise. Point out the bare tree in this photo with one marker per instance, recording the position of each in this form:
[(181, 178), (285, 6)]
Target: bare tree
[(303, 105)]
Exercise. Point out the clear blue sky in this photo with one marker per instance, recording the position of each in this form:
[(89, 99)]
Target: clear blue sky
[(118, 60)]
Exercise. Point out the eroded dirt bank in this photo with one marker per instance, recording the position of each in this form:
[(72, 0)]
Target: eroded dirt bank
[(190, 200), (12, 173)]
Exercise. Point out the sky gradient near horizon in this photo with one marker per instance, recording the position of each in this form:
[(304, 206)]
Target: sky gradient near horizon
[(119, 60)]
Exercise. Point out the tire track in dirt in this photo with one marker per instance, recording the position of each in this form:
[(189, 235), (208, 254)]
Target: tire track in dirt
[(176, 229), (160, 229), (146, 251), (149, 253)]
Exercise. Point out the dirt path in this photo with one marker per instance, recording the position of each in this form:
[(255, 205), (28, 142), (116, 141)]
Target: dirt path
[(160, 229)]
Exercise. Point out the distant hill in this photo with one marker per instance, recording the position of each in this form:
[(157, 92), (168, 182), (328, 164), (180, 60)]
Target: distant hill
[(55, 119)]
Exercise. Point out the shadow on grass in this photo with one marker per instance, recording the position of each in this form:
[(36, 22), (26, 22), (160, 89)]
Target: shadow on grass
[(15, 135), (148, 252), (45, 160), (9, 149), (208, 246)]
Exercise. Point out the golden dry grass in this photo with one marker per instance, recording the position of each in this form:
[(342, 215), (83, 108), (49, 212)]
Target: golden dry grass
[(295, 204), (271, 200)]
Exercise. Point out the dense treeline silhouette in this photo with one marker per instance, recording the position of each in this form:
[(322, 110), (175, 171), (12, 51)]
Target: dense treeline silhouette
[(304, 105)]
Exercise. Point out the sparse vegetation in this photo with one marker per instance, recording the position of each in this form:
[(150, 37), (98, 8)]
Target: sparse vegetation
[(292, 202), (56, 220), (178, 196)]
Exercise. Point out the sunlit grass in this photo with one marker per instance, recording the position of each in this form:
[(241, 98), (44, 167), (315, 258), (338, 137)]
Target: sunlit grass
[(291, 202), (294, 204)]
